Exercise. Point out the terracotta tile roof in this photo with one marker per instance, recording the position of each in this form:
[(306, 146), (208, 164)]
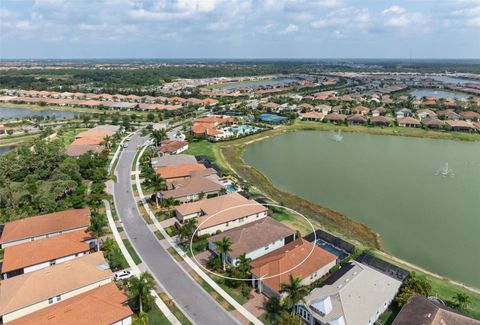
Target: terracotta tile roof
[(170, 146), (191, 186), (46, 249), (102, 305), (407, 120), (78, 150), (254, 235), (96, 133), (470, 115), (314, 115), (290, 256), (460, 123), (357, 118), (176, 171), (87, 140), (31, 288), (237, 205), (335, 117), (360, 109), (380, 119), (200, 128), (45, 224), (214, 120)]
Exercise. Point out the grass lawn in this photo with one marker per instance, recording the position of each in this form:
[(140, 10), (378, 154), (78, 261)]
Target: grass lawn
[(155, 316), (235, 293), (201, 148), (17, 139), (177, 312), (264, 319), (132, 252), (389, 315), (159, 235), (211, 291), (69, 135)]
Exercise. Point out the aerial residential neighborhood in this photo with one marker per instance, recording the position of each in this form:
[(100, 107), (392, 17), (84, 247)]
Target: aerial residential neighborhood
[(307, 162)]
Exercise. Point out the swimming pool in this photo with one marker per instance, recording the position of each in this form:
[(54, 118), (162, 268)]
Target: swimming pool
[(244, 128), (332, 249), (230, 188)]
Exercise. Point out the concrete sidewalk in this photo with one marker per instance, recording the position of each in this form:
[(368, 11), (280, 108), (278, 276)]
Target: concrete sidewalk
[(159, 302)]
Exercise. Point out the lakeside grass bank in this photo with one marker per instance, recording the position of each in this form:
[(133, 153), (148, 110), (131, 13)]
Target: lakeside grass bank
[(71, 109), (228, 155)]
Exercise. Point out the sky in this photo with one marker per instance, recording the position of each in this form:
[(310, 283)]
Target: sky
[(57, 29)]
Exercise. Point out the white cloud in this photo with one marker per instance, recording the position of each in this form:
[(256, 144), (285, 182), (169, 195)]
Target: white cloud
[(344, 19), (291, 28), (394, 10)]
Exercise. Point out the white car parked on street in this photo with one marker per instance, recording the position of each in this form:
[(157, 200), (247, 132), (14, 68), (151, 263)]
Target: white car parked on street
[(123, 275)]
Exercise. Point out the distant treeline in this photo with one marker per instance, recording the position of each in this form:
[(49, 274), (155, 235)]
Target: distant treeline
[(125, 78)]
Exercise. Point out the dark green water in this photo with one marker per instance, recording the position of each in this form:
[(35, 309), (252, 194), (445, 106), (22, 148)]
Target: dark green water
[(392, 185)]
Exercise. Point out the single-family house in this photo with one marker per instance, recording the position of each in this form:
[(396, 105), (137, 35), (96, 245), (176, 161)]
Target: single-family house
[(45, 252), (462, 126), (379, 111), (408, 122), (44, 226), (103, 305), (254, 239), (172, 147), (403, 112), (357, 119), (470, 116), (325, 109), (362, 110), (432, 123), (425, 112), (356, 294), (3, 130), (305, 107), (299, 258), (30, 292), (171, 160), (427, 311), (178, 172), (312, 116), (201, 184), (221, 213), (335, 118), (448, 114), (380, 120)]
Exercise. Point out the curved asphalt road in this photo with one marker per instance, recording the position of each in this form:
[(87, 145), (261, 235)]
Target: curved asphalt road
[(197, 303)]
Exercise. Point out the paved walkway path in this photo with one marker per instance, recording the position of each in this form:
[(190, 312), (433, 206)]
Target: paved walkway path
[(133, 267), (239, 308)]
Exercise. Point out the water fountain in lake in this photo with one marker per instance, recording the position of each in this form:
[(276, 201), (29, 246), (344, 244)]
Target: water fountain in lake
[(445, 171), (337, 136)]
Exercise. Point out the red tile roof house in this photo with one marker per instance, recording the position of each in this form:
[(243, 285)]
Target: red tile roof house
[(357, 119), (44, 226), (179, 172), (221, 213), (380, 120), (300, 258), (360, 110), (203, 183), (254, 239), (19, 259), (335, 118), (462, 126), (471, 116), (312, 116), (172, 147), (103, 305), (408, 122), (34, 291)]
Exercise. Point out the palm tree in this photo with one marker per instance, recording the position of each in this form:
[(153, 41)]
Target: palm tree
[(223, 247), (97, 224), (158, 184), (109, 246), (187, 229), (461, 300), (158, 135), (243, 266), (139, 290), (295, 290), (107, 141)]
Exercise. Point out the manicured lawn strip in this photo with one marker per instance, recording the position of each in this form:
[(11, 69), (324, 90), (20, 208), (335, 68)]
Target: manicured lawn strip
[(235, 293), (144, 214), (155, 316), (159, 235), (132, 252), (211, 291), (177, 312), (174, 253), (69, 135), (119, 229), (264, 319)]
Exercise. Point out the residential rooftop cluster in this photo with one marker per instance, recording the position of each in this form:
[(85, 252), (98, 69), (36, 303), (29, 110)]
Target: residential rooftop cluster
[(52, 274)]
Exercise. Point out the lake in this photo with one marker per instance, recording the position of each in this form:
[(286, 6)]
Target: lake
[(21, 112), (454, 80), (258, 84), (392, 185), (423, 92)]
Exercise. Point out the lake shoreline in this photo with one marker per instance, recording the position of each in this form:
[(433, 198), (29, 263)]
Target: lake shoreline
[(258, 180)]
